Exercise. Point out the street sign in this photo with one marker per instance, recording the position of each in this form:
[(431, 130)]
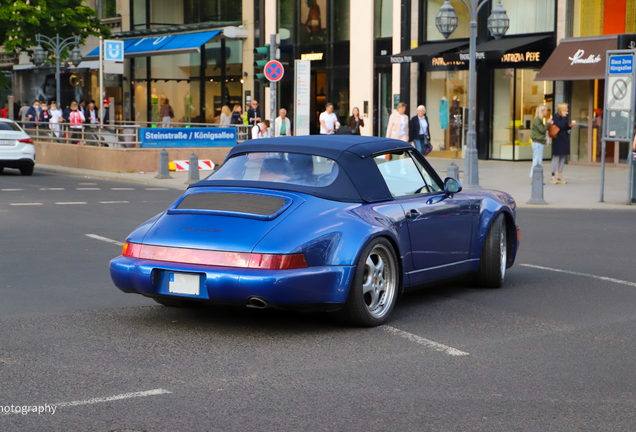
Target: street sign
[(621, 65), (620, 95), (302, 97), (114, 50), (274, 70)]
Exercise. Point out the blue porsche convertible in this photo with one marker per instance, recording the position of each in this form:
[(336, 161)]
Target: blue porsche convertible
[(335, 223)]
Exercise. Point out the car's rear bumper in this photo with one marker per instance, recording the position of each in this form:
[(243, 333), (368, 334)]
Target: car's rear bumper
[(22, 155), (17, 163), (314, 287)]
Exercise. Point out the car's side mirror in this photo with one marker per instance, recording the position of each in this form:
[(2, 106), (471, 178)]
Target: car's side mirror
[(452, 186)]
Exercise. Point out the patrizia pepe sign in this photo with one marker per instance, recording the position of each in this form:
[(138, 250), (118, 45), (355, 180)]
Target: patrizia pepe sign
[(579, 58)]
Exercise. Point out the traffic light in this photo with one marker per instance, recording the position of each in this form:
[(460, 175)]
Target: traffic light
[(259, 64)]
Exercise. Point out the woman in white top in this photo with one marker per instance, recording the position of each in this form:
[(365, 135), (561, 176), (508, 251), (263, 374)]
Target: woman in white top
[(398, 127), (226, 116)]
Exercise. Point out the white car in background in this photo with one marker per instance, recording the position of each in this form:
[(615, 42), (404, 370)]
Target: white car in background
[(16, 148)]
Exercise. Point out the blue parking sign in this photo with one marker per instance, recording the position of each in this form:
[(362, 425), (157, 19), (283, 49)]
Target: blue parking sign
[(114, 50)]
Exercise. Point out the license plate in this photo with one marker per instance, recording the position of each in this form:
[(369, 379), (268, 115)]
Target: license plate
[(184, 283), (7, 142)]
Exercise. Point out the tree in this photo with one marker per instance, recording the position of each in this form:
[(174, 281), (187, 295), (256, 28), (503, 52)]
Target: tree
[(21, 20)]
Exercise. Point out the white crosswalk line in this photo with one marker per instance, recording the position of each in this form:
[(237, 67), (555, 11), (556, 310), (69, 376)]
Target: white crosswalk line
[(88, 189), (122, 188), (25, 204), (603, 278), (71, 203), (156, 188), (53, 189), (11, 190), (114, 202)]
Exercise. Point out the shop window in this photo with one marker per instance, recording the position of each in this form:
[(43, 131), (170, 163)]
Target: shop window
[(139, 14), (463, 25), (516, 97), (286, 15), (340, 80), (529, 16), (447, 108), (108, 9), (198, 11), (166, 13), (579, 111), (383, 18), (313, 18), (140, 97), (341, 24)]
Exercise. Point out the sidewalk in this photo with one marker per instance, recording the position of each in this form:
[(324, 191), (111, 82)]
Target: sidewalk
[(581, 192)]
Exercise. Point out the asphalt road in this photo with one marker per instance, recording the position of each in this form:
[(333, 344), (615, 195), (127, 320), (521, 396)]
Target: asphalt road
[(550, 351)]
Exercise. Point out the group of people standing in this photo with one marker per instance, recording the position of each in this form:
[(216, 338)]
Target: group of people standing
[(560, 141), (42, 116)]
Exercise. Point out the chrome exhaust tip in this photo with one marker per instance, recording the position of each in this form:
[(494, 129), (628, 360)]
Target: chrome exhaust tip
[(256, 303)]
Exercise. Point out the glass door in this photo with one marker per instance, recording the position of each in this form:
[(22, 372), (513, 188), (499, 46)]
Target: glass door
[(385, 104)]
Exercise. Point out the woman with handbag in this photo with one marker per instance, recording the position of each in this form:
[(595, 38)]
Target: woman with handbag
[(355, 121), (560, 142), (538, 135)]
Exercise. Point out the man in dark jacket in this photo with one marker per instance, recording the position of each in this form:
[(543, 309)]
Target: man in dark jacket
[(419, 131), (33, 115), (254, 114)]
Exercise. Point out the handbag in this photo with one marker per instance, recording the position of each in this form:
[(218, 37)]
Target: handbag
[(553, 130)]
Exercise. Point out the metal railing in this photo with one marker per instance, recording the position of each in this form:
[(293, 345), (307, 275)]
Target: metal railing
[(122, 134)]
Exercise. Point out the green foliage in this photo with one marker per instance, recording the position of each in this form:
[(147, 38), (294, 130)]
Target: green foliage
[(21, 20)]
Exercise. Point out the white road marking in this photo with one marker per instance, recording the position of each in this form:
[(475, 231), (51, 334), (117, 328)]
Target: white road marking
[(88, 189), (87, 184), (71, 203), (11, 190), (155, 392), (25, 204), (422, 341), (156, 188), (114, 202), (603, 278), (122, 188), (104, 239), (51, 189)]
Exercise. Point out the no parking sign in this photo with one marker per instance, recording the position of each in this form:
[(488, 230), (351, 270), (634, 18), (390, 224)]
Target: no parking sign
[(274, 70)]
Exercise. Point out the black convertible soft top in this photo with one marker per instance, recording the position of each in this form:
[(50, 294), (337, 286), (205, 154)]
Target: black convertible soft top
[(359, 179)]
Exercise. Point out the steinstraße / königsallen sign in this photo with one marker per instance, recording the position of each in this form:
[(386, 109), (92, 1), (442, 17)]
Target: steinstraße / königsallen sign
[(187, 137)]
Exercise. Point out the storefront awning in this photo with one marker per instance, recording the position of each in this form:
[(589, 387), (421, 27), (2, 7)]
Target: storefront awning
[(578, 59), (496, 48), (163, 45), (423, 52)]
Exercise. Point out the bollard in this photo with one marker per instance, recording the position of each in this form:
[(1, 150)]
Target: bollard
[(164, 171), (453, 171), (193, 171), (537, 186)]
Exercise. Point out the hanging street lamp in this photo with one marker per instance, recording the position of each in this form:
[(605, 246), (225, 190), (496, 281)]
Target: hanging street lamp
[(57, 45)]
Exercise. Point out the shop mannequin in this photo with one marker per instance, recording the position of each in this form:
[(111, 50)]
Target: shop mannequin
[(456, 123), (154, 100), (444, 112), (187, 107)]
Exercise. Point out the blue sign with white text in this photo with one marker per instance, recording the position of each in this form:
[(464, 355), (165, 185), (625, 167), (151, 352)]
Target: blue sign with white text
[(188, 137), (621, 65), (114, 50)]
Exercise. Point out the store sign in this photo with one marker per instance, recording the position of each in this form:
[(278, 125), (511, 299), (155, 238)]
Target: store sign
[(466, 57), (439, 61), (621, 64), (580, 58), (187, 137), (311, 56), (529, 56), (402, 59)]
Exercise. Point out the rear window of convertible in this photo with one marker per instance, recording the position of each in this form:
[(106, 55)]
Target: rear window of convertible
[(290, 168)]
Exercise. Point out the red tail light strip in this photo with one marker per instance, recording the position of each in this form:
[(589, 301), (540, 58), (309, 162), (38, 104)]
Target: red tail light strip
[(27, 140), (215, 258)]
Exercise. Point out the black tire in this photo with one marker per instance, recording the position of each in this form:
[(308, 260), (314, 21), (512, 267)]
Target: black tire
[(1, 169), (27, 171), (176, 303), (361, 309), (492, 272)]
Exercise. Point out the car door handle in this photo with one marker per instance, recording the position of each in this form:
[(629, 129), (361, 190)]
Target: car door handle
[(413, 214)]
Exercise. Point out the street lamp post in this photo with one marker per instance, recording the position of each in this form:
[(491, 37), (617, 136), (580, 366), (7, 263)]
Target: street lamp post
[(498, 23), (57, 45)]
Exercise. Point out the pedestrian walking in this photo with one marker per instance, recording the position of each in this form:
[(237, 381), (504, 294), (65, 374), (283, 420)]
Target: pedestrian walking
[(76, 118), (92, 114), (560, 144), (33, 115), (328, 121), (261, 130), (226, 116), (398, 127), (282, 125), (538, 135), (254, 114), (237, 115), (4, 113), (22, 114), (355, 121), (56, 118), (166, 113), (419, 131), (106, 107)]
